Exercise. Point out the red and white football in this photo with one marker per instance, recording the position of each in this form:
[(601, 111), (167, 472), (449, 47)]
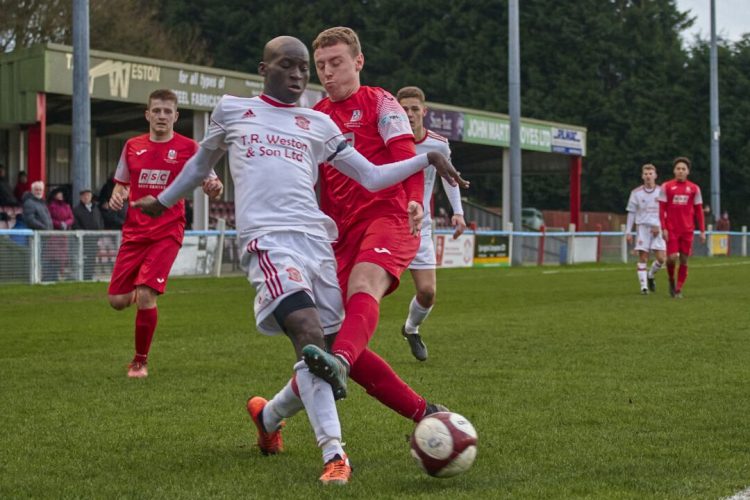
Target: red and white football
[(444, 444)]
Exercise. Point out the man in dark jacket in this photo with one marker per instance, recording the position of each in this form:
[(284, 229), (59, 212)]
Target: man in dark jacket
[(86, 214), (35, 211)]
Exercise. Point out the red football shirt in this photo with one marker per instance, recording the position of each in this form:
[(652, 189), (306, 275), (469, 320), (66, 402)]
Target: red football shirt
[(680, 203), (148, 167), (370, 119)]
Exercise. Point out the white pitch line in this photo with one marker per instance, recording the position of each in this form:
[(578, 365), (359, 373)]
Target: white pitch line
[(742, 495), (610, 269)]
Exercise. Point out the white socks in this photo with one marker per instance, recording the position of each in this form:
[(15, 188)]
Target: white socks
[(317, 397), (654, 269), (643, 274), (417, 315), (284, 404)]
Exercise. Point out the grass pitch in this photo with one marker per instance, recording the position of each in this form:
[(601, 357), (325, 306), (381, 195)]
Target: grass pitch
[(578, 386)]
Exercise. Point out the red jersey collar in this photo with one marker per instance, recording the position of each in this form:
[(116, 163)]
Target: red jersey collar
[(275, 102)]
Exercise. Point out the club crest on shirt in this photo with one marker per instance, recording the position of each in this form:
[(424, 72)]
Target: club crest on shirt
[(355, 120), (302, 122), (171, 156), (294, 274)]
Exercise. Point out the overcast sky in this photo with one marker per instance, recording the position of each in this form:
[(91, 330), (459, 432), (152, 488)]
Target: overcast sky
[(732, 18)]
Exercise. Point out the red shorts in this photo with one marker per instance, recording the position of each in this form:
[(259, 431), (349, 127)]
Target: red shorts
[(143, 263), (385, 241), (680, 243)]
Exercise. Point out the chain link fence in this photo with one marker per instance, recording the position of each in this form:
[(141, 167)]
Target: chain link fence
[(28, 256)]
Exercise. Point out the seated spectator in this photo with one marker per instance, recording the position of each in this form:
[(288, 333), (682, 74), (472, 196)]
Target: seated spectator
[(6, 193), (35, 212), (86, 214), (23, 186), (60, 211)]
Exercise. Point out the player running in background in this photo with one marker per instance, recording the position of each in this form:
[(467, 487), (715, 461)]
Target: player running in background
[(643, 210), (148, 164), (379, 232), (680, 203), (275, 149), (422, 268)]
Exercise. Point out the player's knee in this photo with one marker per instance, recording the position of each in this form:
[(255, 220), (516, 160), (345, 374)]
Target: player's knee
[(426, 297), (120, 302), (146, 297)]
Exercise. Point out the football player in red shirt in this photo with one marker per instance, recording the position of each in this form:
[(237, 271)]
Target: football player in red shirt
[(148, 164), (680, 204), (378, 232)]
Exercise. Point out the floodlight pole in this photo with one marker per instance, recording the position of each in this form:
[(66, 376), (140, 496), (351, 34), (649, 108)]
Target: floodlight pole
[(514, 105), (715, 131), (81, 168)]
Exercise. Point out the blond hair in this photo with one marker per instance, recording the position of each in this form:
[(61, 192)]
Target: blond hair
[(648, 166), (338, 34), (414, 92)]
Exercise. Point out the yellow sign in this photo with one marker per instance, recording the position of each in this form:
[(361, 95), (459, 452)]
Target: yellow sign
[(720, 244)]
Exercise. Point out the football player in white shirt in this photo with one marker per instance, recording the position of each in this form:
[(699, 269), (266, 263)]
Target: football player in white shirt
[(274, 150), (643, 210), (422, 268)]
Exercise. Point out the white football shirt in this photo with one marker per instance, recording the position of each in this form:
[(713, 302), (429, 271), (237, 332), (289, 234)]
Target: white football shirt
[(438, 143), (274, 152), (645, 205)]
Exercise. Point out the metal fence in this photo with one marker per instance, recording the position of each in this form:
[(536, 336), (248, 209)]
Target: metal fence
[(28, 256)]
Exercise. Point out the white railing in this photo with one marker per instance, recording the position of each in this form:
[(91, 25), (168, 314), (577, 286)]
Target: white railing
[(28, 256)]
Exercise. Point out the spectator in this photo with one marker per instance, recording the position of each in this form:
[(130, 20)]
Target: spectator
[(6, 193), (60, 211), (35, 212), (723, 223), (23, 185), (86, 214)]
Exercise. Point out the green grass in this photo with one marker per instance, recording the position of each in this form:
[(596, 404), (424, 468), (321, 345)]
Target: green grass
[(578, 387)]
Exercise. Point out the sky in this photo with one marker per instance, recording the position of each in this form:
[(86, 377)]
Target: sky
[(732, 18)]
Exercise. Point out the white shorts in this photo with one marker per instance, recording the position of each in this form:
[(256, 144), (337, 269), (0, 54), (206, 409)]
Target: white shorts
[(645, 241), (280, 264), (425, 258)]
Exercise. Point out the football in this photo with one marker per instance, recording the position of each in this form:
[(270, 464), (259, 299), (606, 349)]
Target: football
[(444, 444)]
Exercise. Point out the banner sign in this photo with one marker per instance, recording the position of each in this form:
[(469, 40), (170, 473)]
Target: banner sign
[(719, 244), (196, 256), (454, 253), (491, 251), (449, 124), (496, 132)]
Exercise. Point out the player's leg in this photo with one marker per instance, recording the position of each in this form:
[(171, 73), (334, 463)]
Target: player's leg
[(420, 307), (686, 247), (658, 247), (673, 254), (643, 271), (151, 282), (121, 291)]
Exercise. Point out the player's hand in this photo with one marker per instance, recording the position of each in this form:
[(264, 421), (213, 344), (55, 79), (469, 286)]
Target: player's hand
[(119, 194), (416, 214), (445, 169), (655, 231), (460, 224), (629, 238), (665, 234), (149, 206), (703, 236), (213, 188)]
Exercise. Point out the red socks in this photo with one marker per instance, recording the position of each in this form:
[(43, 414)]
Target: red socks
[(145, 325), (670, 271), (381, 382), (362, 313), (682, 276)]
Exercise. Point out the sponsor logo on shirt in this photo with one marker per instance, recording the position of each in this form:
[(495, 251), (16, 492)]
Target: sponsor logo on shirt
[(249, 113), (680, 199), (139, 153), (302, 122), (153, 178), (393, 119)]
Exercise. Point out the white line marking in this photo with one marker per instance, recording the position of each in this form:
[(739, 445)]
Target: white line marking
[(742, 495)]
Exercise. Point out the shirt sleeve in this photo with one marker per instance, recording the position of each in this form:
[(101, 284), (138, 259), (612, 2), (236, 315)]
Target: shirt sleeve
[(632, 206), (122, 174), (402, 149), (195, 171), (453, 192), (215, 137), (392, 120)]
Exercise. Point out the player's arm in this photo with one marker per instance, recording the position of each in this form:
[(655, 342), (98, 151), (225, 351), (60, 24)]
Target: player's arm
[(121, 191), (454, 198), (351, 163), (196, 170), (629, 227), (701, 221), (663, 217)]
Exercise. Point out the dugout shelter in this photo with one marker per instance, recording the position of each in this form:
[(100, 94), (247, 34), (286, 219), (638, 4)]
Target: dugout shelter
[(36, 86)]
